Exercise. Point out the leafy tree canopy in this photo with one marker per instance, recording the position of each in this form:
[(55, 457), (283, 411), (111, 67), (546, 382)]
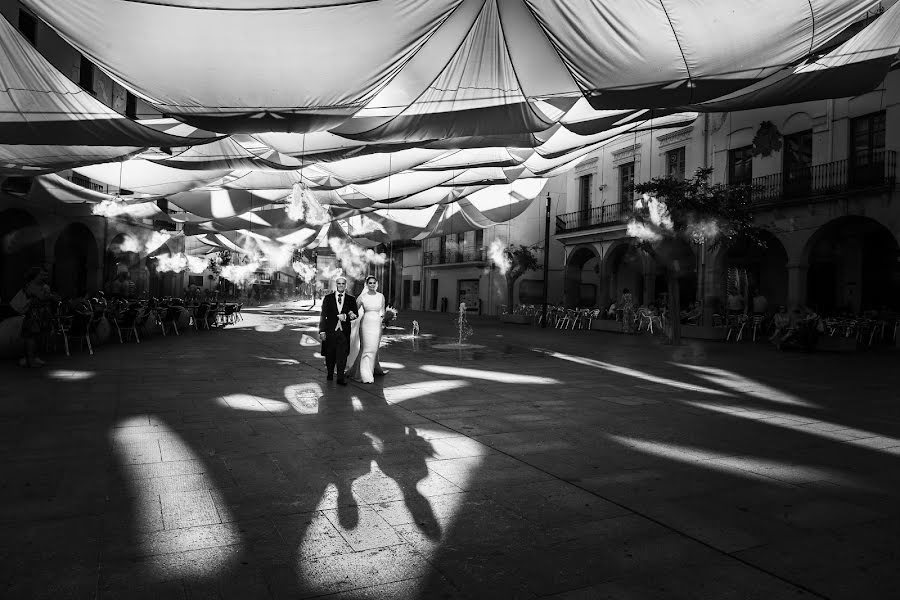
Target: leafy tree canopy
[(693, 209), (520, 260)]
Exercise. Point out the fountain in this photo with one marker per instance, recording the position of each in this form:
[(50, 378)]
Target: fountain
[(464, 332)]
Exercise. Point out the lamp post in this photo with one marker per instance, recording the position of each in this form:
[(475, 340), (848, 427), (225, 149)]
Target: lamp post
[(699, 238), (546, 263)]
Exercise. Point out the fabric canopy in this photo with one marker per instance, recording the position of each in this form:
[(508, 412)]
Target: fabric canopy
[(406, 66), (365, 109), (40, 105)]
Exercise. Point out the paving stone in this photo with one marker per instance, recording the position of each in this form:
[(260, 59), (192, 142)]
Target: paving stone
[(362, 528), (195, 482), (344, 572), (188, 509), (311, 535)]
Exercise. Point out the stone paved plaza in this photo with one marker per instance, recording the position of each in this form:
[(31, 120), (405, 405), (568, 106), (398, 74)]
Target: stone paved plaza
[(545, 463)]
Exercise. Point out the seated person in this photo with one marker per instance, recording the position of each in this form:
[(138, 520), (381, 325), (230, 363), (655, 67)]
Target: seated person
[(32, 301), (781, 321), (692, 315), (760, 303), (610, 312), (686, 311), (802, 328)]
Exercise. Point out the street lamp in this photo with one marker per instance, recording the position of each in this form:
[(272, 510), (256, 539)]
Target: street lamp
[(546, 263), (698, 236)]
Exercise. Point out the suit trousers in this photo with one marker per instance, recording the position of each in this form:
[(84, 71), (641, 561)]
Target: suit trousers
[(337, 347)]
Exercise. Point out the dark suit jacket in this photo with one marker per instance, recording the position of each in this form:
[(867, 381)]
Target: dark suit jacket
[(328, 321)]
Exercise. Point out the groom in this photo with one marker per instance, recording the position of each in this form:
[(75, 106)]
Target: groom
[(338, 309)]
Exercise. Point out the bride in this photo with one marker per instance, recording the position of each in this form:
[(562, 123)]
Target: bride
[(366, 338)]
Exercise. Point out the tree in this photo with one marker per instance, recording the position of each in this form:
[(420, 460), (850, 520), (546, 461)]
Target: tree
[(519, 260), (693, 210)]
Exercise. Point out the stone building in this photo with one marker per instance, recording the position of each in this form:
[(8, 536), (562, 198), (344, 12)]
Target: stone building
[(824, 177)]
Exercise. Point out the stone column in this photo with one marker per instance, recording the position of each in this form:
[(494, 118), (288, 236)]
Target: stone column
[(649, 288), (796, 284)]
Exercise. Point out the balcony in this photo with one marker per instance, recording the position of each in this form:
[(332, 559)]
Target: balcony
[(599, 216), (876, 172), (451, 257)]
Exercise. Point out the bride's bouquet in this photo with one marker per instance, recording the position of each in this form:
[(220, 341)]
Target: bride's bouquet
[(390, 313)]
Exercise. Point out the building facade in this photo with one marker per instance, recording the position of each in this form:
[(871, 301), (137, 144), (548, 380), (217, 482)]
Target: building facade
[(439, 273), (824, 200), (81, 250)]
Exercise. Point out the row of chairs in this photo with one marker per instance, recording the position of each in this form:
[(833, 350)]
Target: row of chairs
[(130, 320), (864, 331)]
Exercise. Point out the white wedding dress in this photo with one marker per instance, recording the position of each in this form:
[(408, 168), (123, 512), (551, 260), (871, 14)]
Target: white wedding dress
[(366, 337)]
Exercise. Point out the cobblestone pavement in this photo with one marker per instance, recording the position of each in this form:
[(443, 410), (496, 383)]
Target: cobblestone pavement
[(543, 463)]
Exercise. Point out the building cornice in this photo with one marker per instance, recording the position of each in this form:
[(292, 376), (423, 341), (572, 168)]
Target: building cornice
[(626, 154), (674, 137)]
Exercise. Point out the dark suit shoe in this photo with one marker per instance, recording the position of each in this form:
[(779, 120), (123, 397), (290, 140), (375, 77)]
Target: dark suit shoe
[(342, 381), (330, 376)]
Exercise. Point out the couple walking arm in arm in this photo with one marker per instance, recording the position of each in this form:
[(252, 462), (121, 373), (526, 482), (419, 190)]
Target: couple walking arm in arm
[(339, 338)]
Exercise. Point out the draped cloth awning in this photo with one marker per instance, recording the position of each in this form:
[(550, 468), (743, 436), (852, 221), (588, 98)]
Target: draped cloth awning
[(41, 106), (413, 70), (256, 66), (399, 105)]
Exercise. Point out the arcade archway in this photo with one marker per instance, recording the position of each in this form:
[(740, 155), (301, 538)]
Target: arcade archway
[(161, 282), (764, 268), (75, 261), (582, 271), (624, 269), (123, 255), (853, 266), (21, 247)]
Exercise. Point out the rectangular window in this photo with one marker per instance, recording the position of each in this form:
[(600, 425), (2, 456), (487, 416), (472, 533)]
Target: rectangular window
[(584, 193), (867, 150), (479, 239), (797, 164), (675, 163), (740, 165), (86, 75), (417, 288), (195, 280), (28, 26), (626, 183), (432, 250), (867, 135)]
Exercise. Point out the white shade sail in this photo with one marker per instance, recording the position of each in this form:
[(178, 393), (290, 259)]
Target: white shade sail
[(293, 66), (431, 105)]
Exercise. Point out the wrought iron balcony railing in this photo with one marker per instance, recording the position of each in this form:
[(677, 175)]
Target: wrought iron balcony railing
[(861, 173), (463, 255), (599, 216)]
